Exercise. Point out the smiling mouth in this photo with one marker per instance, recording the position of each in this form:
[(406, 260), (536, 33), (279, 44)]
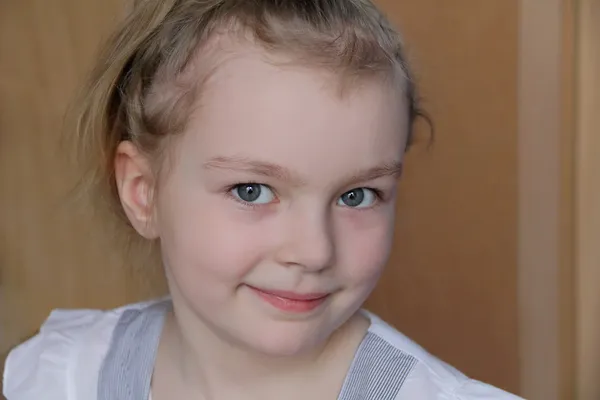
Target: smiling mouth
[(291, 301)]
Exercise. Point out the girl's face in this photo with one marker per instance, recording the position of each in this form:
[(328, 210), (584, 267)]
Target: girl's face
[(277, 213)]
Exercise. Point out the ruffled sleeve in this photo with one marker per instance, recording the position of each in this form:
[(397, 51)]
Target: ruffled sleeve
[(43, 366), (475, 390), (436, 380)]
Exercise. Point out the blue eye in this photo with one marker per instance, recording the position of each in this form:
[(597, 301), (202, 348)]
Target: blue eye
[(253, 193), (358, 198)]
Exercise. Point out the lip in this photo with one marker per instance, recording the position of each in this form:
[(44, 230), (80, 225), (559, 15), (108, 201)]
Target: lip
[(291, 301)]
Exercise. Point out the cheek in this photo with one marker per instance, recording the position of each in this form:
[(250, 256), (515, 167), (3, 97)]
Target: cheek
[(206, 243), (364, 252)]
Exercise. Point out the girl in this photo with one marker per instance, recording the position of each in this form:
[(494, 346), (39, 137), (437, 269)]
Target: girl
[(258, 144)]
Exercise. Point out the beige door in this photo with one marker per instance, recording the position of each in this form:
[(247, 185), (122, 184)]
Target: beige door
[(452, 281)]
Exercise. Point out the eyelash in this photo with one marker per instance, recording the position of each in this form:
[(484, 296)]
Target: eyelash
[(378, 194), (253, 206)]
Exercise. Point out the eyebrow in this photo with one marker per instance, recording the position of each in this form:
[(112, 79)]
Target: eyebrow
[(270, 170), (256, 167)]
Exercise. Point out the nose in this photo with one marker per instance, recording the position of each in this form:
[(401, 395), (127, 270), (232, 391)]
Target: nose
[(308, 242)]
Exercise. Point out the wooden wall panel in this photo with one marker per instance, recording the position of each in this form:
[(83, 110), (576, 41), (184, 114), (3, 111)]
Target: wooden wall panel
[(49, 257), (546, 240), (588, 200)]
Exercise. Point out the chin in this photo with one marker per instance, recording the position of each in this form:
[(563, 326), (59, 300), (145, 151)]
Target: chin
[(286, 342)]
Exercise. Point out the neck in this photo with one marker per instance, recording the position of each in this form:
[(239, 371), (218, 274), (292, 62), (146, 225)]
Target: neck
[(214, 366)]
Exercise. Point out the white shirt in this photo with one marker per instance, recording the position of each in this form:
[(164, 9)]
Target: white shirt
[(63, 361)]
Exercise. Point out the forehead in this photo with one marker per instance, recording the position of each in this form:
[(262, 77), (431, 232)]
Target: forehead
[(295, 116)]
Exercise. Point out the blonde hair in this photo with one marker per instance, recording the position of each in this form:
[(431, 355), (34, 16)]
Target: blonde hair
[(154, 47)]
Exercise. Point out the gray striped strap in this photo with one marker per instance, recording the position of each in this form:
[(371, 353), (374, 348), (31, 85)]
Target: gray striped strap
[(377, 372), (126, 372)]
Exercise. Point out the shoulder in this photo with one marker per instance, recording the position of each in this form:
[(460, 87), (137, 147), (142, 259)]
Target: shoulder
[(69, 348), (425, 376)]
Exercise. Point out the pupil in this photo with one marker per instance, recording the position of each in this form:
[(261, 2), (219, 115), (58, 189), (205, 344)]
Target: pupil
[(249, 193)]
